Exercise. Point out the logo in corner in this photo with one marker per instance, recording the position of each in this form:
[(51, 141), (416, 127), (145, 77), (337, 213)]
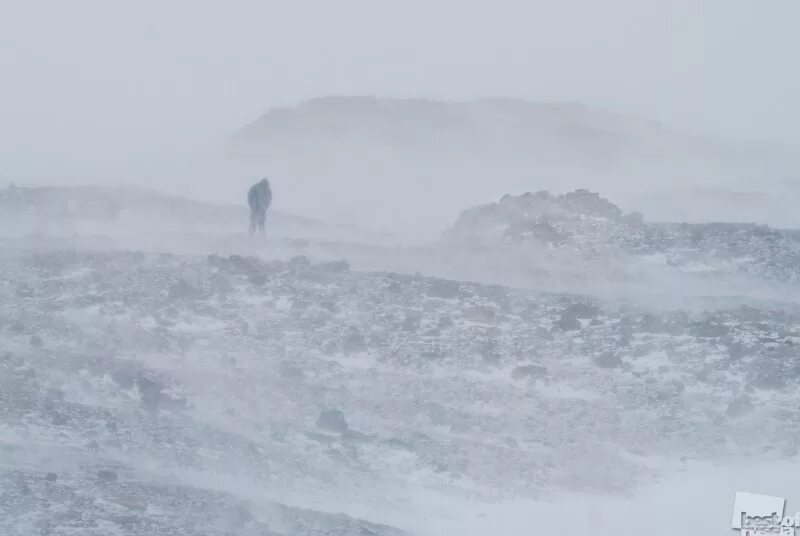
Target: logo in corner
[(762, 515)]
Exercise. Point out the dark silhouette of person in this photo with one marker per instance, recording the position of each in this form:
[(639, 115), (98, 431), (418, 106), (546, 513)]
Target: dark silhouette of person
[(259, 197)]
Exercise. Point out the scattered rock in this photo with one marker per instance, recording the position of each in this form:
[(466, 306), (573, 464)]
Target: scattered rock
[(300, 305), (412, 322), (358, 437), (736, 351), (489, 351), (544, 333), (768, 372), (354, 341), (51, 477), (608, 360), (299, 263), (445, 322), (528, 371), (332, 420), (151, 392), (651, 324), (398, 444), (541, 231), (24, 292), (257, 278), (709, 329), (568, 323), (625, 329), (36, 341), (329, 306), (182, 290), (633, 218), (589, 203), (288, 370), (739, 406), (132, 502), (750, 314), (482, 314), (254, 269), (581, 310), (222, 285), (642, 350), (332, 266), (395, 288), (106, 475), (498, 295), (442, 288), (242, 326), (153, 396), (215, 261), (432, 353)]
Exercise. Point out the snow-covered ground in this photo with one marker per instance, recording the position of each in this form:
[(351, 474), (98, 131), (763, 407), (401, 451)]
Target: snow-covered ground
[(548, 366), (148, 393)]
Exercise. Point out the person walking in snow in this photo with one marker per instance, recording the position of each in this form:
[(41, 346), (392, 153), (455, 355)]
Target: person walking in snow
[(259, 197)]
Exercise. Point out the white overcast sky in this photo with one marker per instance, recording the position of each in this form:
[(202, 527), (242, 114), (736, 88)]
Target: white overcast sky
[(88, 77)]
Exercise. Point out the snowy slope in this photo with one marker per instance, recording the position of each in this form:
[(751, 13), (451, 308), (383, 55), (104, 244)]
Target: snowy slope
[(158, 394)]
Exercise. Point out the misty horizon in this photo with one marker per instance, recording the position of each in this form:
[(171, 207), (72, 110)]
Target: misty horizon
[(135, 86)]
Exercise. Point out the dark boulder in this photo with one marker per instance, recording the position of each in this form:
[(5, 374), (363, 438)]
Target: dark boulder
[(333, 266), (412, 322), (608, 360), (739, 406), (182, 290), (353, 341), (568, 323), (528, 371), (106, 475), (581, 310), (444, 289), (333, 421)]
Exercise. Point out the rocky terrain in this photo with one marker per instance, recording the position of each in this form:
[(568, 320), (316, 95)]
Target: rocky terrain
[(148, 393), (578, 233)]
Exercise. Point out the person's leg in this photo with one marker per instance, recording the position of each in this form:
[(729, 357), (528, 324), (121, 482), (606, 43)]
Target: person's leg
[(261, 222), (252, 223)]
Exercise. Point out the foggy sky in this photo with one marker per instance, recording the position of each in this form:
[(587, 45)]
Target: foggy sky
[(88, 84)]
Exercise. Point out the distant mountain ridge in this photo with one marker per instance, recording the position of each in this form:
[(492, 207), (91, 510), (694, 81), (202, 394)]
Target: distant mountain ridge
[(487, 125), (440, 156), (486, 118), (355, 112)]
